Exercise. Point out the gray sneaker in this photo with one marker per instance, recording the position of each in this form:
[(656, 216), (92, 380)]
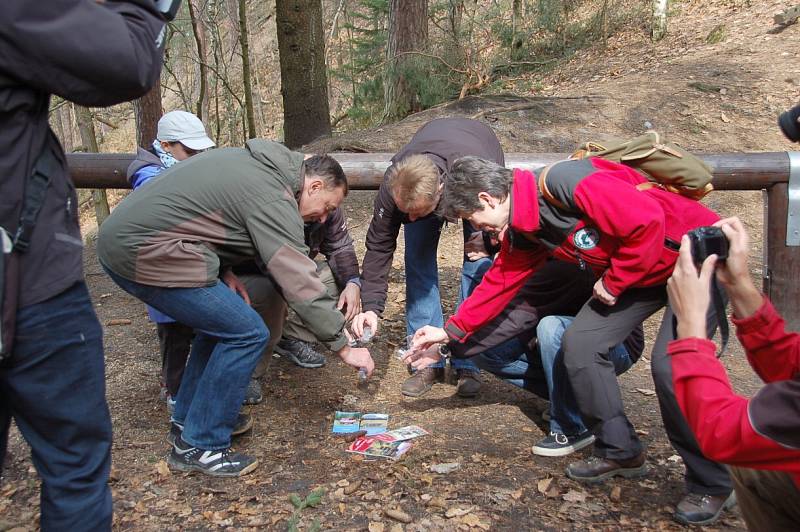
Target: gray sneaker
[(300, 352), (253, 395)]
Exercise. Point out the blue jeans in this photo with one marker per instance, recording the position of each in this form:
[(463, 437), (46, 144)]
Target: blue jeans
[(229, 339), (423, 301), (565, 415), (54, 388)]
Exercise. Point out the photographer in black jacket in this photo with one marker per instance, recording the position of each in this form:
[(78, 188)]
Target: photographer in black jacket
[(95, 53)]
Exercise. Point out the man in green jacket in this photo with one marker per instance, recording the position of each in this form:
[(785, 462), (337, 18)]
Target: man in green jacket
[(172, 245)]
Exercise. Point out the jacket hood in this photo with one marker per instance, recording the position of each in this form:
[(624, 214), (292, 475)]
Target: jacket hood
[(283, 162), (143, 158), (524, 202)]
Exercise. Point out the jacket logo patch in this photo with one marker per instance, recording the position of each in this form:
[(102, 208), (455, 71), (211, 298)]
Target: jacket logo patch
[(586, 238)]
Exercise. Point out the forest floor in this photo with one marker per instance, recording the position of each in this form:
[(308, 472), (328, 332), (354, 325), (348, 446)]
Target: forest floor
[(721, 97)]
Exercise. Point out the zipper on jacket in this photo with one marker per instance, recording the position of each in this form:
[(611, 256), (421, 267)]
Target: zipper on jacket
[(581, 262)]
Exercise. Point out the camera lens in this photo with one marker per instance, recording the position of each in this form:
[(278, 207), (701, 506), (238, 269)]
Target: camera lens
[(789, 125)]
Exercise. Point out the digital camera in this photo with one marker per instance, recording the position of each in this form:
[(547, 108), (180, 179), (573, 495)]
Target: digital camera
[(708, 241)]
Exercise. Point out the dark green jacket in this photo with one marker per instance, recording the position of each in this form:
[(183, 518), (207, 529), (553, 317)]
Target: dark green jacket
[(219, 209)]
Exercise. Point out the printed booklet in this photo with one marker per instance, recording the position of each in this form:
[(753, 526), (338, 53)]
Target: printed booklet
[(347, 422)]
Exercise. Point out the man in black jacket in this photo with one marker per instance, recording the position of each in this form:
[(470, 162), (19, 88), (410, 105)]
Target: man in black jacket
[(408, 197), (52, 379)]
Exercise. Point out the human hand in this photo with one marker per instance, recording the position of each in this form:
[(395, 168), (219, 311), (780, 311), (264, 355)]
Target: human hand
[(357, 357), (364, 319), (350, 298), (734, 273), (734, 269), (474, 247), (233, 282), (689, 292), (422, 358), (600, 293), (426, 337)]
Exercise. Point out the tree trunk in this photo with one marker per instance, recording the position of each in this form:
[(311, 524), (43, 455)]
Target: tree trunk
[(659, 19), (89, 141), (304, 79), (147, 110), (248, 84), (408, 32), (197, 17), (516, 40)]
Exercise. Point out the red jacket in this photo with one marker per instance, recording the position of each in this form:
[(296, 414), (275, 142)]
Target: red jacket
[(630, 238), (760, 433)]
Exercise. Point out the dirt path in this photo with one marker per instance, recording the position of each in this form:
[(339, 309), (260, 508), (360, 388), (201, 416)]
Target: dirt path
[(499, 484)]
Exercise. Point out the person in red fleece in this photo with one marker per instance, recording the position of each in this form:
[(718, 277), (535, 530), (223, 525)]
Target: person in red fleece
[(759, 436), (629, 237)]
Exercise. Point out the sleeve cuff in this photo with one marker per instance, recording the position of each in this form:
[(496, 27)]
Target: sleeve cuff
[(764, 316), (697, 346), (355, 280)]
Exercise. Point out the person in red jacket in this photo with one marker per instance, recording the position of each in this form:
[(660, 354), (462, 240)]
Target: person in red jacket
[(595, 217), (759, 436)]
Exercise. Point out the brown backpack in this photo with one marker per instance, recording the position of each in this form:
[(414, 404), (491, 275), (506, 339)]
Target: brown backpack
[(664, 164)]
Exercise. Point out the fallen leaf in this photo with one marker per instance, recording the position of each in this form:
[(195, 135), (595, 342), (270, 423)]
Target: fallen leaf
[(516, 495), (118, 321), (645, 391), (616, 493), (574, 496), (353, 487), (675, 458), (457, 512), (527, 429), (438, 502), (163, 469), (342, 507), (375, 527), (544, 485), (343, 483), (446, 468), (724, 118), (397, 515), (474, 521)]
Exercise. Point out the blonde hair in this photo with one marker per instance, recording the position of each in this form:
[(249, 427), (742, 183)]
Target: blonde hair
[(413, 180)]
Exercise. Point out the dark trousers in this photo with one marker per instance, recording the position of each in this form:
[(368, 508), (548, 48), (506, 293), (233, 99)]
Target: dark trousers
[(596, 329), (175, 341), (769, 500), (54, 388)]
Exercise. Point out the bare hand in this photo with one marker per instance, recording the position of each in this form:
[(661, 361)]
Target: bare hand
[(734, 269), (350, 298), (428, 336), (357, 357), (422, 358), (689, 293), (362, 320), (474, 247), (233, 282), (600, 293)]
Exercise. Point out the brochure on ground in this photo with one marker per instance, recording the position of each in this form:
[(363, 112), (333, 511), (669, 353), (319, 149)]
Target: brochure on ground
[(347, 422)]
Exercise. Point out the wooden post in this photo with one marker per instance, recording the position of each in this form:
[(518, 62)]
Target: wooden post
[(782, 268)]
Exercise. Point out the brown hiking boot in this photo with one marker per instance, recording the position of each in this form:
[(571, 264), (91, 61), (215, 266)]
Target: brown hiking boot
[(699, 509), (595, 469), (420, 382), (469, 383)]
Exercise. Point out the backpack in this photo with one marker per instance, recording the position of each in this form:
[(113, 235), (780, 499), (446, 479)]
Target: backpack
[(664, 164)]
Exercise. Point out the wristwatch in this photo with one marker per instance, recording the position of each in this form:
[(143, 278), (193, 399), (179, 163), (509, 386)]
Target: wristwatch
[(444, 351)]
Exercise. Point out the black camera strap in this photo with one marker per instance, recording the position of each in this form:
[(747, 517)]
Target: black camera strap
[(35, 192)]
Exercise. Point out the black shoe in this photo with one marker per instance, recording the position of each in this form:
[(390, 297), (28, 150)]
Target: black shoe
[(221, 463), (301, 353), (469, 383), (244, 422), (698, 509), (557, 444)]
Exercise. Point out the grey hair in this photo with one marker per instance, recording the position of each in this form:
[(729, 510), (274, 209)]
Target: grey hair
[(470, 176)]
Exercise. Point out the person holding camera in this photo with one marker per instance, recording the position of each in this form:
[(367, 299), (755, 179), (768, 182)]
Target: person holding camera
[(760, 436), (52, 372), (599, 218)]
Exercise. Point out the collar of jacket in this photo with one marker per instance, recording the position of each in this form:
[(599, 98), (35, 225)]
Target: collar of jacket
[(524, 208)]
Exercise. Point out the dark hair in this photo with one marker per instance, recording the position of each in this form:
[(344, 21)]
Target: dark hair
[(470, 176), (328, 169)]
